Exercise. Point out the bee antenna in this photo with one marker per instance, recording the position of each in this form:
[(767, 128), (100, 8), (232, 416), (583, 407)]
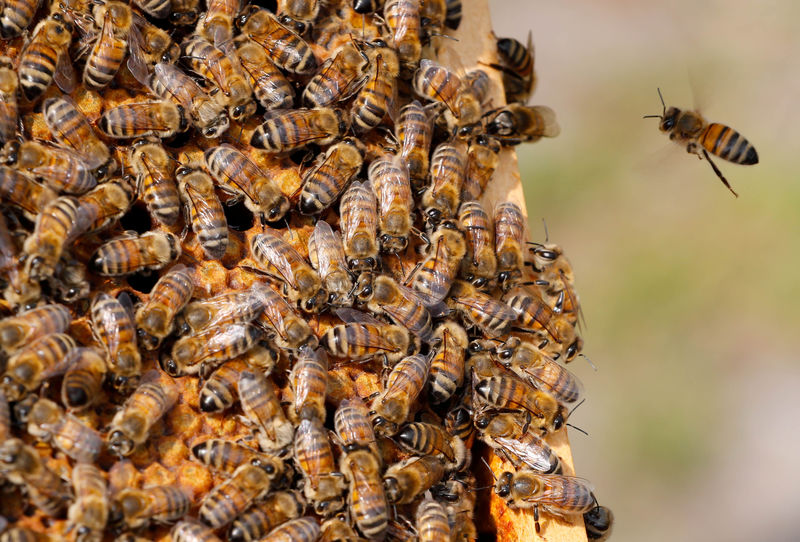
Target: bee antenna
[(663, 105), (576, 428), (546, 233), (490, 468), (480, 488), (592, 365), (575, 408)]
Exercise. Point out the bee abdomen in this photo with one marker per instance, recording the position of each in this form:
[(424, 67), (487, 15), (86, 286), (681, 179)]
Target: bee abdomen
[(729, 144), (16, 17), (104, 63)]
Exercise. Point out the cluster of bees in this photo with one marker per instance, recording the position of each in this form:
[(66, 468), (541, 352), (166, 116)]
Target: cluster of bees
[(251, 289)]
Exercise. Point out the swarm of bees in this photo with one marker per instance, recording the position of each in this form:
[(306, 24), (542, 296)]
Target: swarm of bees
[(253, 286)]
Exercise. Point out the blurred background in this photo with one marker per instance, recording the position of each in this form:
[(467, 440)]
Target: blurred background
[(690, 295)]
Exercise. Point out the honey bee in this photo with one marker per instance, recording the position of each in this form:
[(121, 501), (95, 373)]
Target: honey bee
[(71, 129), (406, 480), (161, 119), (48, 422), (338, 529), (286, 49), (458, 418), (69, 282), (149, 45), (364, 337), (113, 327), (233, 496), (534, 315), (309, 379), (240, 177), (83, 380), (448, 167), (158, 9), (131, 253), (26, 327), (447, 365), (434, 82), (57, 226), (353, 428), (155, 319), (276, 509), (21, 464), (323, 486), (131, 425), (436, 272), (305, 529), (61, 169), (9, 111), (20, 190), (156, 183), (185, 12), (516, 66), (599, 523), (366, 499), (89, 513), (160, 504), (279, 259), (528, 451), (226, 456), (494, 318), (224, 71), (289, 130), (299, 14), (432, 521), (108, 201), (270, 86), (480, 264), (389, 178), (509, 232), (517, 123), (701, 137), (16, 16), (403, 21), (329, 176), (340, 77), (482, 161), (458, 497), (427, 439), (326, 253), (220, 391), (111, 45), (556, 277), (508, 392), (202, 352), (404, 384), (284, 327), (261, 407), (493, 423), (403, 305), (378, 93), (359, 224), (216, 24), (26, 369), (23, 534), (192, 531), (414, 132), (554, 493), (45, 58), (432, 14)]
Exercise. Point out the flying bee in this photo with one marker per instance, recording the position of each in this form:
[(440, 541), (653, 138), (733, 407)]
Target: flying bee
[(427, 439), (509, 238), (353, 427), (220, 391), (289, 130), (516, 66), (108, 201), (131, 253), (45, 57), (482, 161), (57, 226), (554, 493), (404, 384), (517, 123), (270, 86), (403, 305), (89, 513), (363, 337), (159, 504), (480, 264), (691, 129), (9, 111), (109, 49), (261, 407), (534, 315), (359, 224), (24, 328), (326, 253), (286, 49), (599, 523), (113, 327), (70, 128), (131, 425), (192, 531), (238, 176), (16, 17), (448, 168), (414, 132), (59, 168), (323, 486), (276, 509), (48, 422), (329, 176), (155, 319), (403, 22), (83, 379), (437, 271), (299, 14), (161, 119), (494, 318), (389, 179), (216, 24), (156, 181), (304, 529), (202, 352), (226, 456), (508, 392), (338, 529), (340, 77), (22, 464), (233, 496), (376, 97), (282, 324), (279, 259), (432, 521), (447, 365), (366, 499), (26, 369), (185, 12), (406, 480), (21, 191)]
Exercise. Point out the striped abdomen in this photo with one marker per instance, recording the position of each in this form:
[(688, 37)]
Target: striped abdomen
[(533, 313), (414, 132), (372, 102), (305, 529), (22, 191), (368, 505), (83, 380), (16, 16), (276, 509), (729, 144), (286, 49), (447, 370), (310, 381), (432, 522), (71, 128), (104, 60), (353, 426), (37, 66), (170, 294), (153, 250), (232, 497), (221, 389), (359, 225), (160, 194), (312, 451)]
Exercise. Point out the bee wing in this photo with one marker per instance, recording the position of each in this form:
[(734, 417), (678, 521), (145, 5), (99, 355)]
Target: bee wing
[(485, 304), (557, 486), (535, 454), (280, 260), (136, 59), (547, 372), (547, 116), (203, 205), (64, 76), (370, 220), (354, 316), (329, 251), (438, 281)]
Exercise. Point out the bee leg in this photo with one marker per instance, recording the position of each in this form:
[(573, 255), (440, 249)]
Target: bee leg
[(536, 518), (719, 173)]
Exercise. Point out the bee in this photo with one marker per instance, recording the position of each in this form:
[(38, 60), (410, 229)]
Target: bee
[(111, 45), (406, 480), (108, 201), (534, 315), (304, 529), (160, 504), (26, 327), (448, 168), (71, 129), (353, 427), (701, 137), (113, 327), (226, 456), (509, 232), (89, 513), (494, 318), (517, 123), (414, 132), (57, 226), (404, 384), (131, 425), (289, 130), (206, 114), (240, 177), (20, 190), (262, 409), (403, 22), (270, 86), (59, 168), (326, 253), (185, 12), (224, 71), (158, 9), (83, 380), (384, 296), (458, 418), (516, 67), (192, 531), (220, 391), (432, 14), (16, 16), (366, 499), (438, 269), (323, 486), (29, 366), (131, 253), (276, 509), (156, 181), (284, 327), (150, 45), (599, 523), (202, 352), (453, 14), (22, 464), (309, 379), (45, 57), (161, 119), (329, 176), (378, 93), (480, 264), (233, 496), (554, 493), (48, 422), (155, 319), (528, 451), (279, 259), (458, 496), (299, 14), (9, 109), (69, 282), (508, 392), (23, 534), (556, 277), (358, 220), (447, 365), (284, 47), (434, 82), (482, 161), (340, 77), (427, 439), (389, 178), (493, 423), (216, 24), (364, 337), (338, 529), (432, 521)]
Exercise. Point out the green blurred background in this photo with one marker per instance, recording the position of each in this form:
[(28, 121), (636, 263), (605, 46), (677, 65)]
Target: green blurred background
[(691, 296)]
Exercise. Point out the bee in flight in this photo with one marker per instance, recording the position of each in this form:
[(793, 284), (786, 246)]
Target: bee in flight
[(702, 137)]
